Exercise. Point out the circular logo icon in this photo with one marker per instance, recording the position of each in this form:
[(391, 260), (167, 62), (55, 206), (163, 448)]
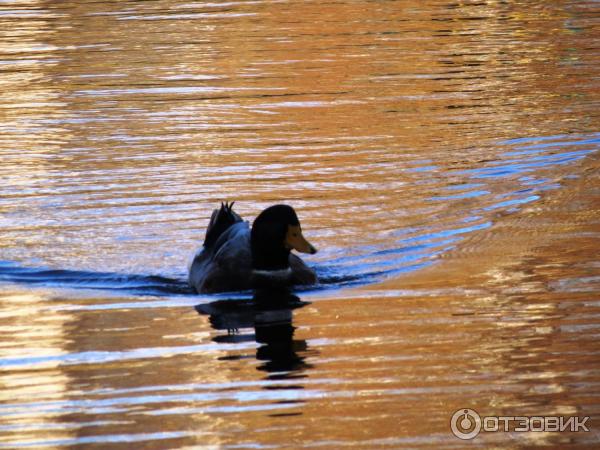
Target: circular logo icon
[(465, 424)]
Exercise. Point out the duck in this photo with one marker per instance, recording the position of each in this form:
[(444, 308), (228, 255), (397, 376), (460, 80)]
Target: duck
[(237, 257)]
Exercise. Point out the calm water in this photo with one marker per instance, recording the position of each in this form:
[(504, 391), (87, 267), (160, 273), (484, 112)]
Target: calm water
[(444, 157)]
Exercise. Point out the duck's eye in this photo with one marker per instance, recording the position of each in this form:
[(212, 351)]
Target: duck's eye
[(295, 234)]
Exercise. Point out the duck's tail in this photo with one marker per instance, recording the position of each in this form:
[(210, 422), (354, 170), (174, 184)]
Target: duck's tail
[(220, 221)]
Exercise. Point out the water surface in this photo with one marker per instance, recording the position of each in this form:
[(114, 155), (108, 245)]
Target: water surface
[(442, 156)]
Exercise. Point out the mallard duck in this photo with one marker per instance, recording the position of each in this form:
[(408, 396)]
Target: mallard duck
[(235, 257)]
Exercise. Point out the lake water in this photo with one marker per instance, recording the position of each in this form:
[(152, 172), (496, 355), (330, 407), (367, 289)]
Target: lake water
[(443, 156)]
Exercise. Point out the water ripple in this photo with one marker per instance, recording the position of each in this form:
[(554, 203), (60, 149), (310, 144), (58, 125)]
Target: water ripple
[(461, 138)]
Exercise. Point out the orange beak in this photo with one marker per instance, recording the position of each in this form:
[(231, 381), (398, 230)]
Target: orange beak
[(295, 240)]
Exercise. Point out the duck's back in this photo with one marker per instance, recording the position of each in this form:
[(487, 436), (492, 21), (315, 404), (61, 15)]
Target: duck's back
[(226, 265)]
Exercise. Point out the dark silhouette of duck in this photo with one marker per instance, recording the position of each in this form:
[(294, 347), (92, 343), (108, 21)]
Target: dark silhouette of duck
[(235, 257), (267, 319)]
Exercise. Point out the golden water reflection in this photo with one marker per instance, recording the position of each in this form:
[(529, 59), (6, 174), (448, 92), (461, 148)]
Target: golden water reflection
[(442, 155)]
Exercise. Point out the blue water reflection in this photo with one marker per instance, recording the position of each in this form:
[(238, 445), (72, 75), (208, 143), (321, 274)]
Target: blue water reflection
[(526, 162)]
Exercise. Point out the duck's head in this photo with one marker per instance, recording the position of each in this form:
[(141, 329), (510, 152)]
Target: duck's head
[(275, 232)]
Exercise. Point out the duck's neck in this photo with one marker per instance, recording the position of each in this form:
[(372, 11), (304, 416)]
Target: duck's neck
[(270, 258)]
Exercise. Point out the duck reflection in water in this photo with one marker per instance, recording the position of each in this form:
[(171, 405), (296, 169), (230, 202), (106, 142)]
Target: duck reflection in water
[(270, 314)]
